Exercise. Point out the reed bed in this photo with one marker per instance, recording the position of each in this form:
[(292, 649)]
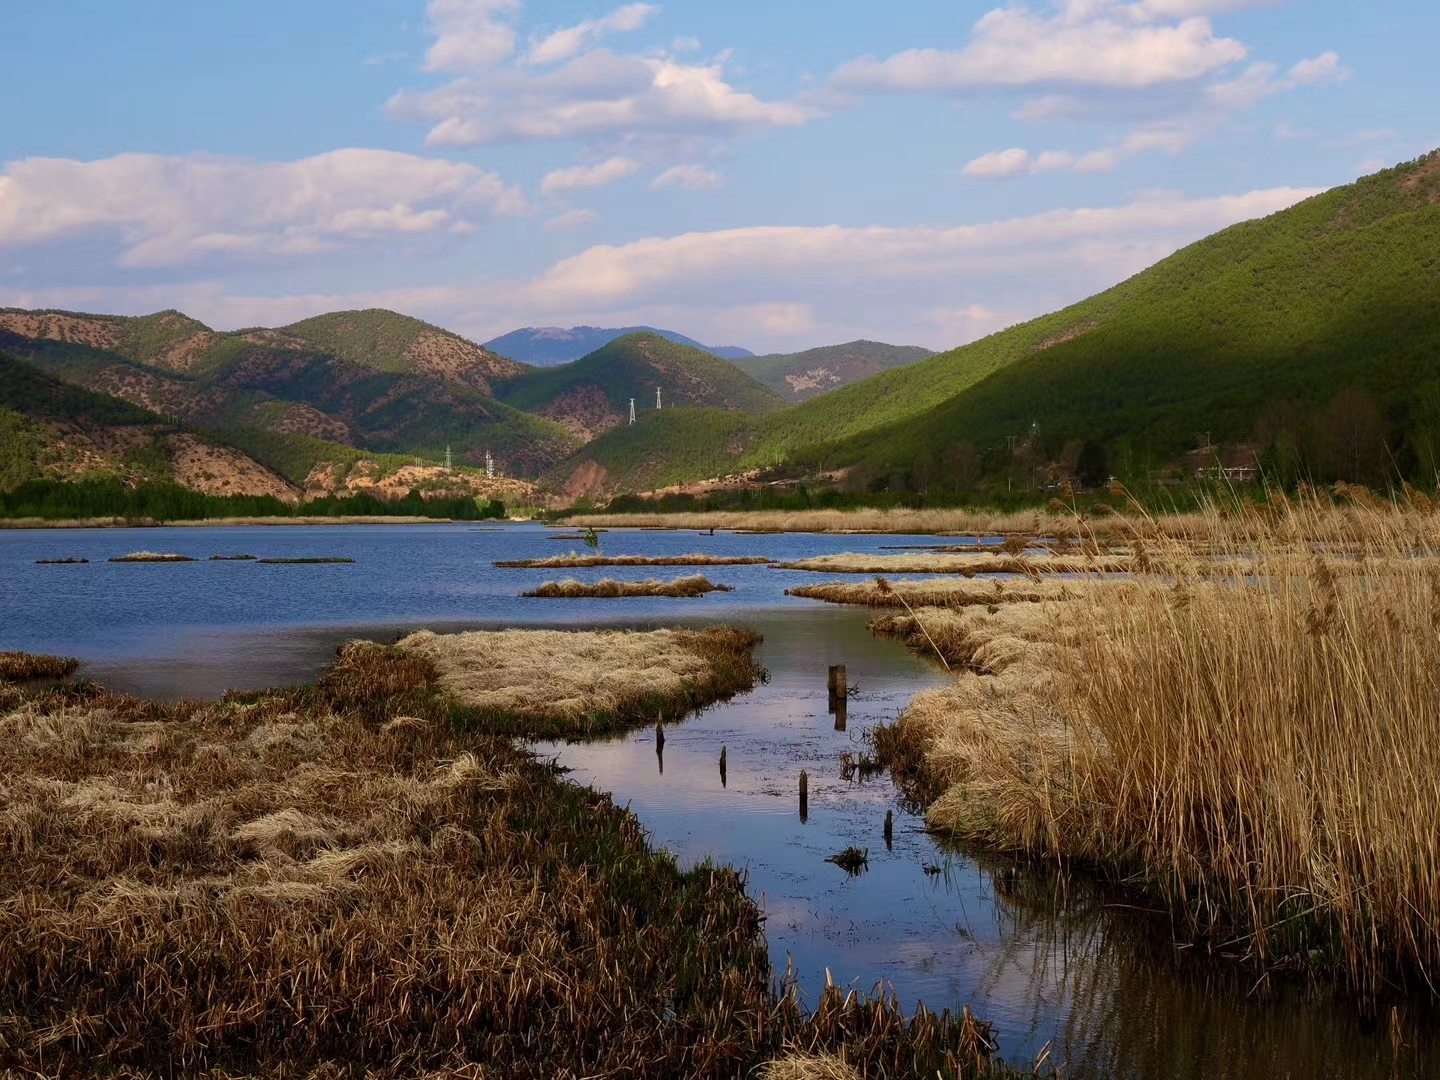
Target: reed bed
[(577, 683), (904, 522), (150, 557), (1256, 750), (69, 560), (686, 588), (934, 593), (22, 667), (574, 561), (342, 881), (964, 565)]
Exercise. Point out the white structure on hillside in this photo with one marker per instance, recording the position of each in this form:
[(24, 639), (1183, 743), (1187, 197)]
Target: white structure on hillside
[(657, 399), (449, 463), (632, 410), (489, 465)]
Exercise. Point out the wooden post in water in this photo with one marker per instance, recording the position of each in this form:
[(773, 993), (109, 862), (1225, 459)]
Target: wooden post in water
[(889, 827), (840, 707), (836, 683), (804, 796), (659, 735), (722, 767)]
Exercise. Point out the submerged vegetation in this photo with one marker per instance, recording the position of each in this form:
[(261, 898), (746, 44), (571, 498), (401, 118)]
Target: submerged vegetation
[(1243, 731), (685, 587), (349, 879)]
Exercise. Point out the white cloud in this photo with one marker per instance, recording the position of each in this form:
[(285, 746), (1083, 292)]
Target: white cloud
[(772, 287), (608, 273), (999, 164), (469, 34), (688, 178), (165, 211), (1091, 43), (597, 94), (1259, 81), (566, 42), (571, 219), (587, 176)]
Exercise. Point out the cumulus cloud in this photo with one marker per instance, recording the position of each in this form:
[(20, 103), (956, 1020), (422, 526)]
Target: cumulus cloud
[(688, 178), (587, 176), (564, 43), (166, 211), (469, 33), (1262, 80), (999, 164), (773, 287), (1083, 42), (597, 94), (609, 273)]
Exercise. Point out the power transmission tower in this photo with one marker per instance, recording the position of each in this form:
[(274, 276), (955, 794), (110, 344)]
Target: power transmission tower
[(657, 399), (448, 463), (489, 465), (632, 410)]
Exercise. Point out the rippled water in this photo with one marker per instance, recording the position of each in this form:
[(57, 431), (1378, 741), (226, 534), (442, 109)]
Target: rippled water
[(1048, 961)]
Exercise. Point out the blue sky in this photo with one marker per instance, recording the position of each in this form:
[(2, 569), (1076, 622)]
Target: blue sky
[(775, 176)]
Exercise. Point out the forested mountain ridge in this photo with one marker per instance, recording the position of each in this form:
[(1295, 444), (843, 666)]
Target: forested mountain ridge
[(276, 381), (800, 376), (1308, 340), (593, 394)]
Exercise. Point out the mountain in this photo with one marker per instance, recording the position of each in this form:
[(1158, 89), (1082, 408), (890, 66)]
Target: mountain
[(800, 376), (50, 429), (386, 341), (1309, 340), (547, 346), (373, 381), (593, 394)]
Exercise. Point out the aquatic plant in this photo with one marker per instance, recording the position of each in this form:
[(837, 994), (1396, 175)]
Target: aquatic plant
[(852, 860), (150, 557), (22, 666)]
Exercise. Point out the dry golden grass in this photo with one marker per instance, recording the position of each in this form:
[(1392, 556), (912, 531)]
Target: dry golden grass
[(21, 667), (577, 562), (908, 522), (934, 592), (685, 587), (150, 556), (1256, 749), (810, 1067), (577, 682), (965, 565), (340, 881)]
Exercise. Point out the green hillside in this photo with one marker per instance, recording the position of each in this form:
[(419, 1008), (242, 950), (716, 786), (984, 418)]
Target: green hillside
[(1310, 338), (798, 377), (387, 341), (273, 380), (594, 393)]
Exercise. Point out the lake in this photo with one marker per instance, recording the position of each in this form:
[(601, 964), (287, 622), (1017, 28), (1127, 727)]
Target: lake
[(1050, 961)]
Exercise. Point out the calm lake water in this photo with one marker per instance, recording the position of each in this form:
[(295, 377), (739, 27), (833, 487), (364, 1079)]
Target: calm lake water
[(1048, 961)]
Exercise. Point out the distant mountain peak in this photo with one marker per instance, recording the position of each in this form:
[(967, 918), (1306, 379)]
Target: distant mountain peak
[(548, 346)]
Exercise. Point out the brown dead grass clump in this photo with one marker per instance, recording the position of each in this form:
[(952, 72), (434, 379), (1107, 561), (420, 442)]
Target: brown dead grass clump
[(934, 593), (1254, 748), (685, 587), (150, 556), (339, 880), (569, 683), (22, 666), (574, 561), (998, 562)]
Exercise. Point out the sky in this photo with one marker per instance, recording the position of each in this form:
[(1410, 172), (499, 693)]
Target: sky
[(775, 176)]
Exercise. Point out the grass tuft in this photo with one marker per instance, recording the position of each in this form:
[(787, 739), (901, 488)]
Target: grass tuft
[(685, 587)]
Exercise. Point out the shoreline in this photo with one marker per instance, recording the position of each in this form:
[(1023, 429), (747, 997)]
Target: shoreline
[(148, 523)]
